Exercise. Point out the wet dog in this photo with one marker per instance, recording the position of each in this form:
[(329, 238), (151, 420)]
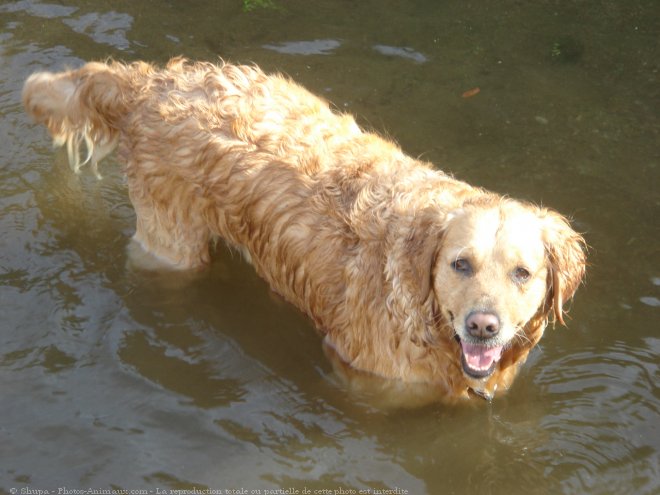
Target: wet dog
[(408, 273)]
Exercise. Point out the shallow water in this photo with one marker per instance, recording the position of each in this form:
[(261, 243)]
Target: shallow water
[(116, 378)]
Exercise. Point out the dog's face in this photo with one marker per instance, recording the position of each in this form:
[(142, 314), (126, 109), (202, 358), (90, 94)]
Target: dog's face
[(492, 274)]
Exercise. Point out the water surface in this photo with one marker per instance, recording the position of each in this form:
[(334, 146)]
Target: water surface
[(116, 378)]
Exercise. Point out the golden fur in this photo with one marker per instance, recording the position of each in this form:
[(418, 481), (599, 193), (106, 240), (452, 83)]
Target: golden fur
[(390, 258)]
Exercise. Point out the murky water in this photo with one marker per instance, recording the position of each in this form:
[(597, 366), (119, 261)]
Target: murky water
[(116, 378)]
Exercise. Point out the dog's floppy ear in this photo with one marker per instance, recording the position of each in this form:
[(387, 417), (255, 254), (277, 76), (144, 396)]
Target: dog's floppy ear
[(565, 250), (420, 246), (409, 270)]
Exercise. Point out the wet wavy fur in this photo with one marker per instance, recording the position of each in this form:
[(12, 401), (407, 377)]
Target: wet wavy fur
[(339, 221)]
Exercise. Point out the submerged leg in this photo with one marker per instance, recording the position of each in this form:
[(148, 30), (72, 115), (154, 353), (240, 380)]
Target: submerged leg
[(172, 229)]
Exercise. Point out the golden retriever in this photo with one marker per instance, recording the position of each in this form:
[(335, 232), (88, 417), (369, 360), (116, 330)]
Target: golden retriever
[(408, 273)]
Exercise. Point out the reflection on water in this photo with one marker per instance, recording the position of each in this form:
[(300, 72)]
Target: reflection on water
[(404, 52), (109, 28), (115, 377), (36, 9), (314, 47)]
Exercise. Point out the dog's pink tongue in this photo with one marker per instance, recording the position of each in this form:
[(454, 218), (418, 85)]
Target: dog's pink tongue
[(479, 357)]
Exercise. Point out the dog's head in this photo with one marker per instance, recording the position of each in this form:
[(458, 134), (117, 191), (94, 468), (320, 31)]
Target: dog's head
[(493, 267)]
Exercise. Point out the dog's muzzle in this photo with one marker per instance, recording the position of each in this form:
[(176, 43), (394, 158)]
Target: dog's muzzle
[(480, 355)]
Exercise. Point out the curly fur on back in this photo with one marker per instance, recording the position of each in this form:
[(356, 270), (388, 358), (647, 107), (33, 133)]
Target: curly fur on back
[(339, 221)]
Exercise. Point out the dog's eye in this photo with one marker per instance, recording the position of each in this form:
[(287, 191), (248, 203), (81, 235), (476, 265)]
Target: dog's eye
[(521, 274), (462, 265)]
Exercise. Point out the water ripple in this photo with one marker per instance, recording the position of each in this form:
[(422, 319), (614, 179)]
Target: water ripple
[(604, 424)]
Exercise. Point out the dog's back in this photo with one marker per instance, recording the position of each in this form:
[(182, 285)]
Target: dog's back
[(98, 102)]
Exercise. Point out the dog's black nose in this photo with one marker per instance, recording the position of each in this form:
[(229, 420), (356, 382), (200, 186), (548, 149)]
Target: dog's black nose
[(482, 325)]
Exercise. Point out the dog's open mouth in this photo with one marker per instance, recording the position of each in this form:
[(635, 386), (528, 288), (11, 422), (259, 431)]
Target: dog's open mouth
[(478, 360)]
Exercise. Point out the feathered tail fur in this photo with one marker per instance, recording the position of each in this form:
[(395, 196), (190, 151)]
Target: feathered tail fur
[(84, 105)]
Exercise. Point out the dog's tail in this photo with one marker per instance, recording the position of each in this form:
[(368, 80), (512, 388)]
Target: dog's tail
[(84, 105)]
